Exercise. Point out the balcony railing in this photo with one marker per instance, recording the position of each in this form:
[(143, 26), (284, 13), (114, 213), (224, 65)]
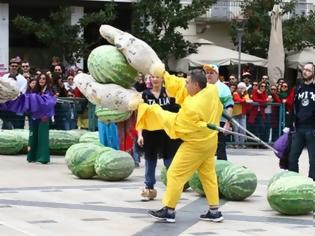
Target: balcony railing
[(226, 10)]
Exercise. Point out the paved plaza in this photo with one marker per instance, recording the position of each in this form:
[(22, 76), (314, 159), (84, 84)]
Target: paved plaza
[(48, 200)]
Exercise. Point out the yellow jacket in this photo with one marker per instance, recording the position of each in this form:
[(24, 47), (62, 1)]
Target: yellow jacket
[(190, 122)]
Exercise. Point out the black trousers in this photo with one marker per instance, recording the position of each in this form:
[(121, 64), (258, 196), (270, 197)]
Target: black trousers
[(221, 149)]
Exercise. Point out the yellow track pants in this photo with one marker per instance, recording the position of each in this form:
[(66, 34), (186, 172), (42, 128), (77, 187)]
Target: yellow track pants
[(192, 156)]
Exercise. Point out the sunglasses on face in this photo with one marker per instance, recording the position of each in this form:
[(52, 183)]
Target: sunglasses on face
[(263, 86), (284, 86), (25, 66), (14, 66), (255, 84)]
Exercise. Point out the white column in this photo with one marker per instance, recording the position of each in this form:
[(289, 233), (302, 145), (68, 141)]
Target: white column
[(4, 37), (76, 14)]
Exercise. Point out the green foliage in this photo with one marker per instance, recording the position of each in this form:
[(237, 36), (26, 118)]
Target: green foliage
[(157, 23), (298, 31), (59, 36)]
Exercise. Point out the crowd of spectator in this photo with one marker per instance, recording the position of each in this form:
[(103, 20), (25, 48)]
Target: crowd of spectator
[(257, 105), (60, 80), (255, 100)]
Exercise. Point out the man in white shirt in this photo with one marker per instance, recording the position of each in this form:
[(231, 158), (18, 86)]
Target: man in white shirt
[(14, 74), (10, 119)]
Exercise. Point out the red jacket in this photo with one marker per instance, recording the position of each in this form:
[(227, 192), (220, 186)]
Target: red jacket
[(261, 98)]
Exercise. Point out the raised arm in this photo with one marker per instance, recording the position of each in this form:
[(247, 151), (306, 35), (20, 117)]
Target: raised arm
[(175, 87)]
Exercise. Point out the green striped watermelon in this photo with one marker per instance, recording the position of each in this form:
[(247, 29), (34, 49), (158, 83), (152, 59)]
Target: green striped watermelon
[(164, 178), (219, 167), (237, 182), (24, 135), (10, 142), (60, 141), (292, 195), (106, 115), (80, 159), (77, 133), (196, 185), (195, 182), (114, 165), (90, 137), (108, 65), (282, 174)]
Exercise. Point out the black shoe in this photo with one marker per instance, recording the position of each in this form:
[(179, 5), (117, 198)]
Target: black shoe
[(215, 217), (164, 215)]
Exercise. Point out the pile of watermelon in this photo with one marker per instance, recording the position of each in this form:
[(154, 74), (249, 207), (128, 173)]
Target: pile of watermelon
[(10, 142), (88, 160), (291, 194), (235, 182), (15, 141)]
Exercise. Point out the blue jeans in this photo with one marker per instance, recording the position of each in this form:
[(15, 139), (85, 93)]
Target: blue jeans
[(108, 134), (241, 119), (301, 138), (136, 152), (69, 124), (150, 166)]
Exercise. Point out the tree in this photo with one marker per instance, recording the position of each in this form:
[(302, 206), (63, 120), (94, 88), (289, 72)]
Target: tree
[(298, 31), (59, 36), (159, 22)]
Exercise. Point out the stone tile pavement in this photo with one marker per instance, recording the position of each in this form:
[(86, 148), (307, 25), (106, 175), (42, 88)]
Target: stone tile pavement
[(47, 200)]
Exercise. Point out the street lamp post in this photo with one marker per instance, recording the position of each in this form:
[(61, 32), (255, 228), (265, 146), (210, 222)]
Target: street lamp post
[(240, 28), (240, 32)]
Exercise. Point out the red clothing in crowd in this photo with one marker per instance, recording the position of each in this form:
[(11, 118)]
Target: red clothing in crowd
[(262, 99)]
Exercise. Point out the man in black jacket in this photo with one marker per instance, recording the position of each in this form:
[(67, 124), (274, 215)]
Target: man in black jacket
[(304, 134)]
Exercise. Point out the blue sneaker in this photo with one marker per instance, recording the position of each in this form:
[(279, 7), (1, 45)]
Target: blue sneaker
[(163, 215), (214, 217)]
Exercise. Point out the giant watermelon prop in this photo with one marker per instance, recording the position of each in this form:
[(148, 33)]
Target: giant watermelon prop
[(108, 65), (237, 182), (24, 135), (80, 159), (164, 178), (195, 182), (196, 185), (280, 175), (114, 165), (293, 195), (106, 115), (60, 141), (10, 143), (77, 133), (90, 137)]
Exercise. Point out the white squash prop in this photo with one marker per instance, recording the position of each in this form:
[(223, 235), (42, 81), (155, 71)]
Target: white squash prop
[(8, 90), (113, 96), (137, 52)]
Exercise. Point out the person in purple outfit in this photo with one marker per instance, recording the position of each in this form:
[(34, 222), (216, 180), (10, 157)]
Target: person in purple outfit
[(41, 106)]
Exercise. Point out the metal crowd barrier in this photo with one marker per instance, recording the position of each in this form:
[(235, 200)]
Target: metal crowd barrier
[(267, 124)]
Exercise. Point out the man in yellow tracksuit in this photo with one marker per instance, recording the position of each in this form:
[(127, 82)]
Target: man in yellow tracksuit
[(200, 105)]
